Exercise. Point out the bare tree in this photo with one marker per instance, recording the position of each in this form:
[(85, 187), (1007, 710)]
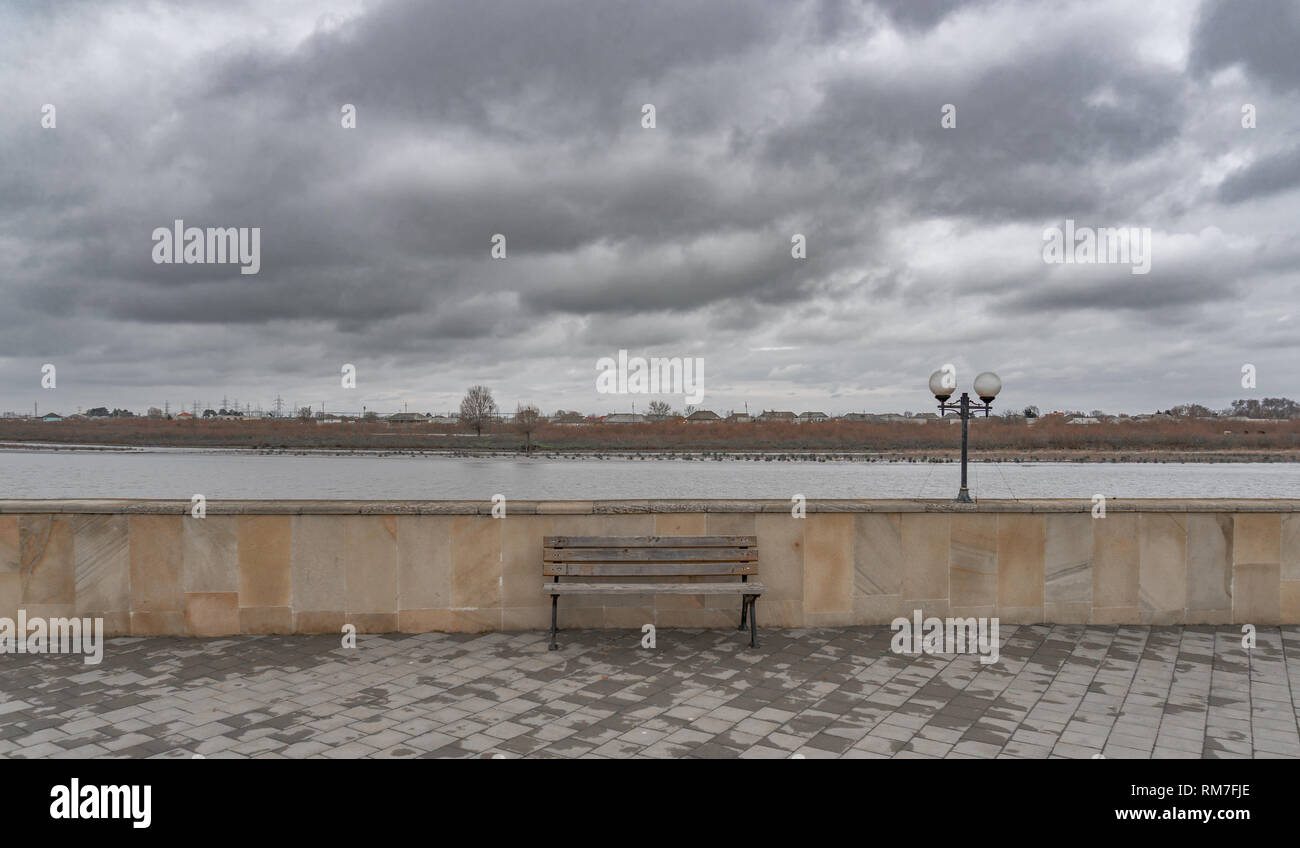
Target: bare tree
[(659, 409), (304, 414), (477, 408), (527, 419)]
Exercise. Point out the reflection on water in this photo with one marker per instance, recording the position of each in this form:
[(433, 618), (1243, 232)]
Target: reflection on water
[(180, 474)]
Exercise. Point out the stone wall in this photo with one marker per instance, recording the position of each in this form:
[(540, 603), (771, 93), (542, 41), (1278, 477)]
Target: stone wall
[(148, 568)]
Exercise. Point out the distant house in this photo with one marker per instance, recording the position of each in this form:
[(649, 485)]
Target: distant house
[(569, 419), (51, 417), (624, 418), (813, 417), (779, 417), (444, 420), (1084, 420), (703, 416), (408, 418), (927, 416), (859, 416), (185, 416), (739, 418)]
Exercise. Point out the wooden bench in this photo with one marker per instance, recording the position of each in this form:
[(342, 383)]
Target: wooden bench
[(654, 556)]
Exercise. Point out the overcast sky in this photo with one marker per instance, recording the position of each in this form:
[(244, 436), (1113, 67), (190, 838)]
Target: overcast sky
[(924, 243)]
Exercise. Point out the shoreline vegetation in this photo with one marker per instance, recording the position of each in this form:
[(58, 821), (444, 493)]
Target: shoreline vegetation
[(991, 440)]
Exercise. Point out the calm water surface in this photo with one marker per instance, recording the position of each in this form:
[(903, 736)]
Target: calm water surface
[(221, 475)]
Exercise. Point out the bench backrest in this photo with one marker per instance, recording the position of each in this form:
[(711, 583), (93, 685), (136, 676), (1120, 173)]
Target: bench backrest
[(649, 556)]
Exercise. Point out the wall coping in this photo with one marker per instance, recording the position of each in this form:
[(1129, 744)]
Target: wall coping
[(617, 507)]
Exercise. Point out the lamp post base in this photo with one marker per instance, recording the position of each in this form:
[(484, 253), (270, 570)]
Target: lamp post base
[(964, 497)]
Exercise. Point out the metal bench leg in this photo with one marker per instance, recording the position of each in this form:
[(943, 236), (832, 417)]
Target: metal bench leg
[(744, 607), (554, 600), (753, 623)]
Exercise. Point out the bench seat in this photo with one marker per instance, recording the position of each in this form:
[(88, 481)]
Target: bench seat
[(705, 565), (752, 588)]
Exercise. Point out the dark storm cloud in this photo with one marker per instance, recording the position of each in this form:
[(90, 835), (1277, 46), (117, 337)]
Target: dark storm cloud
[(1259, 34), (452, 62), (1030, 142), (1270, 175), (820, 118)]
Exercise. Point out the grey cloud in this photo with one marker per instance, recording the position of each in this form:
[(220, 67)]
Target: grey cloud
[(1280, 172), (1261, 35), (523, 119)]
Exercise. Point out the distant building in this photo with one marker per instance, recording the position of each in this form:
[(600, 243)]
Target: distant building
[(779, 417), (408, 418), (569, 419), (859, 416), (1083, 420), (813, 417), (739, 418), (185, 416), (624, 418), (703, 416), (51, 417)]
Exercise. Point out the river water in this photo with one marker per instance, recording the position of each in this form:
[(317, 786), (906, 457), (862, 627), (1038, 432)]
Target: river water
[(178, 473)]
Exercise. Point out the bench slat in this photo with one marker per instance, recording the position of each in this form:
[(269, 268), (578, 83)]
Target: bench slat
[(650, 541), (650, 555), (653, 588), (647, 569)]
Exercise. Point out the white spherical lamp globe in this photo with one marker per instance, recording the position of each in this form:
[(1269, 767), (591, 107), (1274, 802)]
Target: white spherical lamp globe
[(987, 386), (942, 383)]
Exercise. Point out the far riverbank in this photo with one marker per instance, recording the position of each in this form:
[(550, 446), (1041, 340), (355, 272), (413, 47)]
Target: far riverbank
[(977, 454), (1012, 440)]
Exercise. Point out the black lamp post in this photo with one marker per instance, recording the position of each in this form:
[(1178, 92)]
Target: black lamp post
[(987, 386)]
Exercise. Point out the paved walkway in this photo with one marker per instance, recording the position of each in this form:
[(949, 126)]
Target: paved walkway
[(1063, 691)]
